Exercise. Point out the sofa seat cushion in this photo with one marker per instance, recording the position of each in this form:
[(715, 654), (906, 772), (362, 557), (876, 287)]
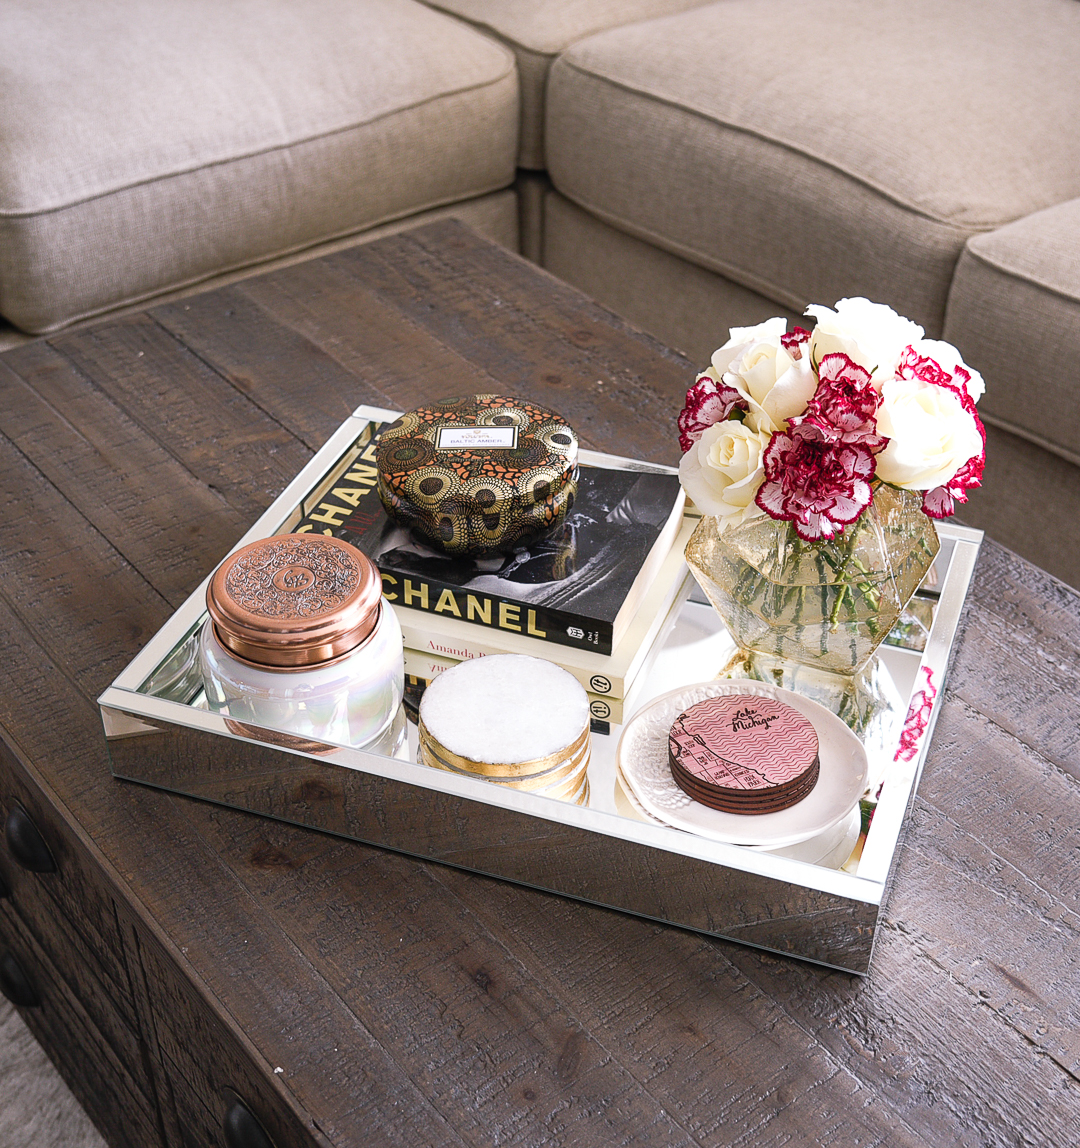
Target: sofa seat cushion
[(813, 151), (537, 31), (1014, 312), (145, 145)]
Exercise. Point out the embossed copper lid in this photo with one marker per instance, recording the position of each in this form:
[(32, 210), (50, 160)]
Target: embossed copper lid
[(294, 600)]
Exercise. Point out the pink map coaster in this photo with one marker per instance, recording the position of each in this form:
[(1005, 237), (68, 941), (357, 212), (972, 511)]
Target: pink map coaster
[(743, 742)]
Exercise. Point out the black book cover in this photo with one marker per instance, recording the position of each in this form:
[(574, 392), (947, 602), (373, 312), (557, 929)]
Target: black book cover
[(567, 588)]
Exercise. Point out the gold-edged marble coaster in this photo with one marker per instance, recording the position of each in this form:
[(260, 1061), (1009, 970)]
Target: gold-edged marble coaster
[(512, 720)]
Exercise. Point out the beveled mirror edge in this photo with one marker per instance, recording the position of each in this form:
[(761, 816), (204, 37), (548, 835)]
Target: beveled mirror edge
[(879, 851), (702, 894)]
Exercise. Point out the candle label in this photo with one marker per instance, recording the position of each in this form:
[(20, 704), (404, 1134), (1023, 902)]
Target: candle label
[(476, 438)]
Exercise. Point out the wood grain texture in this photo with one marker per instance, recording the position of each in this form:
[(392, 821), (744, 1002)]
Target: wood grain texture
[(120, 480), (410, 1004), (431, 316)]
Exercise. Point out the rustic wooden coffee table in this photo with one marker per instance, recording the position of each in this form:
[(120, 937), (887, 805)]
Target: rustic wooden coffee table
[(198, 974)]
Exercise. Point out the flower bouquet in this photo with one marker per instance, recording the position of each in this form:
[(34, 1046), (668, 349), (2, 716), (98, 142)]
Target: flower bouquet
[(820, 460)]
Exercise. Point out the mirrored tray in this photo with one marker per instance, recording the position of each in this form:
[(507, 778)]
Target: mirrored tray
[(818, 900)]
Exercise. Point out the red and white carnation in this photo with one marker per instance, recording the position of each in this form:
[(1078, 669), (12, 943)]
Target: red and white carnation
[(844, 404), (816, 482), (802, 426), (707, 402), (947, 357)]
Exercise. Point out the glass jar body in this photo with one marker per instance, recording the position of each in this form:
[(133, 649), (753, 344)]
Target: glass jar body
[(825, 604), (350, 701)]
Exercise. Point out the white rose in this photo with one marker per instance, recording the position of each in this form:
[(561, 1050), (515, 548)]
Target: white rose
[(742, 338), (930, 434), (775, 385), (722, 471), (948, 358), (870, 334)]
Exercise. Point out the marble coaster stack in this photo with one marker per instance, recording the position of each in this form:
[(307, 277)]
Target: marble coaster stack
[(511, 720)]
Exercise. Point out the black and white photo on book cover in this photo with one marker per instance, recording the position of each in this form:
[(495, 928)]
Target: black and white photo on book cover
[(576, 587)]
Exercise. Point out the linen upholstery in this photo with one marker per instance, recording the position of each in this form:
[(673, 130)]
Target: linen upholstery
[(1029, 501), (810, 152), (145, 146), (683, 305), (537, 31), (1014, 312), (495, 216)]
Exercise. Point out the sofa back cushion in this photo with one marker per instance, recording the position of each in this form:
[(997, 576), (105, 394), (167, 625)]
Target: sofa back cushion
[(145, 145), (537, 31), (813, 151)]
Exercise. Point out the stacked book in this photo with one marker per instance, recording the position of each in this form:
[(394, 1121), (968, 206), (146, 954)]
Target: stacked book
[(595, 597)]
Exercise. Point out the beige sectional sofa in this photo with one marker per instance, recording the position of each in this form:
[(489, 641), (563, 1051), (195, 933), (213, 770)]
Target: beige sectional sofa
[(152, 145), (691, 165), (753, 155)]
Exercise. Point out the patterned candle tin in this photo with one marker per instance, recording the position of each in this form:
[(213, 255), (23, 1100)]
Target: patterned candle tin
[(478, 474)]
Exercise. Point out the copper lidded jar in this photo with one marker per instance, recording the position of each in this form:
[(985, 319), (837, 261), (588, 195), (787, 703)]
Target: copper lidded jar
[(300, 640)]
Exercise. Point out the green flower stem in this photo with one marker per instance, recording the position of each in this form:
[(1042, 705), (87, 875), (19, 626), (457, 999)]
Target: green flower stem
[(834, 614), (830, 593)]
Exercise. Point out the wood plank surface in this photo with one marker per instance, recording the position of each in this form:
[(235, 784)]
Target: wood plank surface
[(379, 1000)]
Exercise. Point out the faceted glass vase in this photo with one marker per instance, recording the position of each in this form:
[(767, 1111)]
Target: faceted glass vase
[(825, 605)]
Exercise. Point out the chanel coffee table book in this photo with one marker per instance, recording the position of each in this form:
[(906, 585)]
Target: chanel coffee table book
[(612, 675), (577, 587), (623, 848)]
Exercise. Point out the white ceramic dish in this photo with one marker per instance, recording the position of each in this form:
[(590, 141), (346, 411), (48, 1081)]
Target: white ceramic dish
[(642, 761), (829, 849)]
